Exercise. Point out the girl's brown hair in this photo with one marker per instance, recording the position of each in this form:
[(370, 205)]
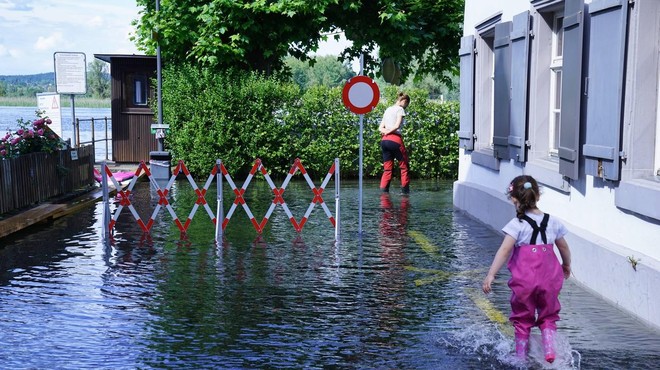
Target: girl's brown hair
[(526, 190), (403, 96)]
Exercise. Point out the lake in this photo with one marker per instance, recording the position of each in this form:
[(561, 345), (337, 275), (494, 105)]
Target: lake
[(9, 116)]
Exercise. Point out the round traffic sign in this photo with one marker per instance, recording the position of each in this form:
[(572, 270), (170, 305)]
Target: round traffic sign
[(361, 94)]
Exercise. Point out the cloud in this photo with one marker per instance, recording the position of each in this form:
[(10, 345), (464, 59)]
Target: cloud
[(96, 21), (19, 5), (8, 52), (49, 42)]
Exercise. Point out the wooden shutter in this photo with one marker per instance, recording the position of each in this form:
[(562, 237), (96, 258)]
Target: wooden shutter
[(466, 130), (571, 94), (607, 49), (519, 84), (502, 99)]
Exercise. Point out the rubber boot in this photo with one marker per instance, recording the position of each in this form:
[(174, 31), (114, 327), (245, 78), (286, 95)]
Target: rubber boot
[(522, 346), (548, 338)]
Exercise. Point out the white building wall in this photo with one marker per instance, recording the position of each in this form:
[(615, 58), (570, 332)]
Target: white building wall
[(603, 237)]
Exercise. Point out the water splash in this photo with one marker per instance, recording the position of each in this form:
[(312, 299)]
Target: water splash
[(488, 342)]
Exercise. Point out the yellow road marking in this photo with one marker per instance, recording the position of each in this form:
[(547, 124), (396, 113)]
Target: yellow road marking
[(439, 275), (490, 311), (432, 279), (423, 270), (426, 244)]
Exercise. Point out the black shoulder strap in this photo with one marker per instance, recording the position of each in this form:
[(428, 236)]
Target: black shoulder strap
[(537, 229)]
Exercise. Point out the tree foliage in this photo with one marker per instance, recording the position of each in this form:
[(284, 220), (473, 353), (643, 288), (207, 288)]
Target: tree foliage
[(240, 116), (259, 34), (327, 71), (98, 79)]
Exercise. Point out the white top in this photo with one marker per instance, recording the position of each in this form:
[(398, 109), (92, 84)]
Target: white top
[(390, 116), (522, 231)]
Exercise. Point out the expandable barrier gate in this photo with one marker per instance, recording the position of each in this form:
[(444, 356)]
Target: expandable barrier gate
[(217, 172)]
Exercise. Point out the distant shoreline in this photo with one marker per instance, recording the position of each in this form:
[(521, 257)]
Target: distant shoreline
[(81, 102)]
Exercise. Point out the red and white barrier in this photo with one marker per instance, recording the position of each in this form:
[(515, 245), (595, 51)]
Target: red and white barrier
[(218, 171)]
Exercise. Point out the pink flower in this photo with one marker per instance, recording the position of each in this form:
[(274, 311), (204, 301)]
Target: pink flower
[(38, 122), (40, 132), (20, 131), (16, 140), (48, 121), (3, 152)]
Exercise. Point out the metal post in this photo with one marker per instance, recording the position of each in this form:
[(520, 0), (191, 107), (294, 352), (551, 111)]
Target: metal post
[(159, 76), (93, 140), (106, 202), (160, 159), (360, 162), (337, 195), (106, 138), (219, 213), (73, 121), (360, 181)]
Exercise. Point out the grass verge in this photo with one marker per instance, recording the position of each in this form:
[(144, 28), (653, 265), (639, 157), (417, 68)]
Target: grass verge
[(65, 100)]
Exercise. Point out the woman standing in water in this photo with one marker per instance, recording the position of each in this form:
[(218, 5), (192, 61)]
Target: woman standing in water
[(392, 144)]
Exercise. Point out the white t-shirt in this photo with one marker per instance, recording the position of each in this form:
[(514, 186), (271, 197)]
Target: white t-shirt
[(390, 117), (522, 231)]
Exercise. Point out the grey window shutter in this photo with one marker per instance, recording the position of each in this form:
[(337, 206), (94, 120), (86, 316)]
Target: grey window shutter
[(519, 84), (605, 88), (466, 130), (571, 94), (502, 98)]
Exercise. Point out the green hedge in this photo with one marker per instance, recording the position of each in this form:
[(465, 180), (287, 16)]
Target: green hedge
[(238, 116)]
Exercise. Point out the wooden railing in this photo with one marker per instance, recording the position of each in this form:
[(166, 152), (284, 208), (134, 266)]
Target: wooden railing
[(36, 177)]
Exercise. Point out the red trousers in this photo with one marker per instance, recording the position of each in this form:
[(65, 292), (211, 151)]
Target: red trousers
[(536, 279), (393, 148)]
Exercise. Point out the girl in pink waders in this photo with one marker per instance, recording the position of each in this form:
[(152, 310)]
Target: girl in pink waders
[(536, 275)]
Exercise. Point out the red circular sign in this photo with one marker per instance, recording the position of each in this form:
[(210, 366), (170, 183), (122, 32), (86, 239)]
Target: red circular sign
[(361, 94)]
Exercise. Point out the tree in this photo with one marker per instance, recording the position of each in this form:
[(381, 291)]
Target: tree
[(98, 79), (259, 34), (326, 71)]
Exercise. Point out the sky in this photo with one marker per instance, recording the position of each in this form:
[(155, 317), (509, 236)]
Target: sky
[(31, 31)]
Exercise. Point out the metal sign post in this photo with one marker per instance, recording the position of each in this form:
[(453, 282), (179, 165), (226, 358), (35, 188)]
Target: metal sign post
[(360, 96)]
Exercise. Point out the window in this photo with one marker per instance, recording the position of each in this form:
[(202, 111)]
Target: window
[(656, 162), (556, 63), (485, 86), (137, 91), (484, 93), (140, 90), (555, 76)]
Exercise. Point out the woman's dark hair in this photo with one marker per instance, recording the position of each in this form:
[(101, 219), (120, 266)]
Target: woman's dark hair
[(526, 190), (403, 96)]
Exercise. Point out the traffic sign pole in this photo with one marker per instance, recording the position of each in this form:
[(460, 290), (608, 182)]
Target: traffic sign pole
[(360, 96)]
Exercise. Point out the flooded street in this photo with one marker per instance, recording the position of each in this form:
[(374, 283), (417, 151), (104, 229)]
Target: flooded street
[(405, 294)]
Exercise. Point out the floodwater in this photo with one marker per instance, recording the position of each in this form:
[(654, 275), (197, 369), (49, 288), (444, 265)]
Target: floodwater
[(404, 295)]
